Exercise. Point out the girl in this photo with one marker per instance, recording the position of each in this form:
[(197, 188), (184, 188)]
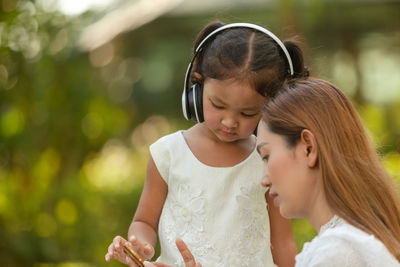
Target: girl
[(200, 183), (320, 164)]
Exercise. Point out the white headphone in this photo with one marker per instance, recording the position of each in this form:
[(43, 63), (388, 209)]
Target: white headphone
[(192, 100)]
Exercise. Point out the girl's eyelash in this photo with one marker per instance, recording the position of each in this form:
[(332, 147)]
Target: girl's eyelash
[(216, 106), (248, 115), (265, 158)]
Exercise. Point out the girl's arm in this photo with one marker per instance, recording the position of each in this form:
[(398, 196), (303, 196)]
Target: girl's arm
[(143, 228), (283, 247), (142, 233)]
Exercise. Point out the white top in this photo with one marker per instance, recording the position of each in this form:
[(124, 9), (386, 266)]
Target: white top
[(340, 244), (220, 212)]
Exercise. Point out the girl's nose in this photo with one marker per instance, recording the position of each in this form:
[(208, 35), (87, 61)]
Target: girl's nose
[(229, 122)]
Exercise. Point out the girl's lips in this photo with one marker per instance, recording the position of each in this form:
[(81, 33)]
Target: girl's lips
[(228, 133)]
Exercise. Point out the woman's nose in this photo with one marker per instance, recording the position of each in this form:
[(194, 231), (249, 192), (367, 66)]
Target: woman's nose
[(265, 181)]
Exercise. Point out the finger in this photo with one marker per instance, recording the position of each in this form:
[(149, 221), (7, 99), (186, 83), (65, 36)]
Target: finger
[(114, 249), (148, 251), (144, 249), (185, 252), (111, 249), (133, 240), (117, 241), (136, 244), (109, 254), (120, 242)]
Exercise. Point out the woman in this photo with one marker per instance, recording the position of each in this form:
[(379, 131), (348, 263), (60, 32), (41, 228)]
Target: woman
[(319, 164)]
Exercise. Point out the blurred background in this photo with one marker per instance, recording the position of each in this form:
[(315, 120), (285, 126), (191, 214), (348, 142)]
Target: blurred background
[(87, 85)]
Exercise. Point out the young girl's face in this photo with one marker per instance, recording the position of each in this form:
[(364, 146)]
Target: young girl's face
[(232, 109), (292, 186)]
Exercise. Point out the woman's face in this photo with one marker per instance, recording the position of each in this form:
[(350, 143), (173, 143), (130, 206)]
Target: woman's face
[(293, 186)]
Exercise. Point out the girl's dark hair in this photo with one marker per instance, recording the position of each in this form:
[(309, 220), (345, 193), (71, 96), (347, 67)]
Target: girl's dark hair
[(246, 54)]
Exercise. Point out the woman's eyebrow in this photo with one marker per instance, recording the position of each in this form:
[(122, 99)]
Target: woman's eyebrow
[(260, 145)]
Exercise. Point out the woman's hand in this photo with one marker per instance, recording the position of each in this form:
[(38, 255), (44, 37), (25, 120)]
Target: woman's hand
[(116, 250), (186, 255)]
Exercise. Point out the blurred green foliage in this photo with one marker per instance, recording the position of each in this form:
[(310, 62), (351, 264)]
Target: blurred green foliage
[(75, 126)]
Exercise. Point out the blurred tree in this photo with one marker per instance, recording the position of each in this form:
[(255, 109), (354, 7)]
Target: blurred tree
[(75, 126)]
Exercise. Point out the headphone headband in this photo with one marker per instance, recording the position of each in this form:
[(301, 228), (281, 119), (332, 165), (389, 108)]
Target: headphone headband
[(228, 26), (251, 26)]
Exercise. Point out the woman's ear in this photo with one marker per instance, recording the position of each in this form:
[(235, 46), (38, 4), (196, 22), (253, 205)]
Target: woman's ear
[(310, 146)]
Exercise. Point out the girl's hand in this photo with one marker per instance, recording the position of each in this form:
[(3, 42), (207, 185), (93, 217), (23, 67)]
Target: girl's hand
[(186, 255), (116, 250), (144, 249)]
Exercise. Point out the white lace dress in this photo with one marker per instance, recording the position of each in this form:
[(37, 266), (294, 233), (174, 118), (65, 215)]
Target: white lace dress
[(339, 244), (220, 212)]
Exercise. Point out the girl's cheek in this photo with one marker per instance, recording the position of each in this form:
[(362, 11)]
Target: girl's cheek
[(207, 112), (211, 117)]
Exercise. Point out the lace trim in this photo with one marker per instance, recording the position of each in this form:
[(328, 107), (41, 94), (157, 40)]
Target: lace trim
[(183, 216), (335, 221)]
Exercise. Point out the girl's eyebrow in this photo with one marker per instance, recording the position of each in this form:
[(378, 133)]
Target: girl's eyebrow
[(220, 101), (260, 145), (216, 98)]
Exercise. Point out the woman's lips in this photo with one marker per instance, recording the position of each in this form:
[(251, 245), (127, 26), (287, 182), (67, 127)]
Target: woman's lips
[(274, 198)]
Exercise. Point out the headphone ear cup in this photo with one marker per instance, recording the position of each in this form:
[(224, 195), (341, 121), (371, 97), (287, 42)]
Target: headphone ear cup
[(185, 106), (199, 102), (195, 103)]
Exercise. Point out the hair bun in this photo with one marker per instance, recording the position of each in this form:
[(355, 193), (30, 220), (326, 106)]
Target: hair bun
[(303, 74), (306, 72)]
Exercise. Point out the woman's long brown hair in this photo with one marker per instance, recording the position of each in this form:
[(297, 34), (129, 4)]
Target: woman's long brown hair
[(357, 186)]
